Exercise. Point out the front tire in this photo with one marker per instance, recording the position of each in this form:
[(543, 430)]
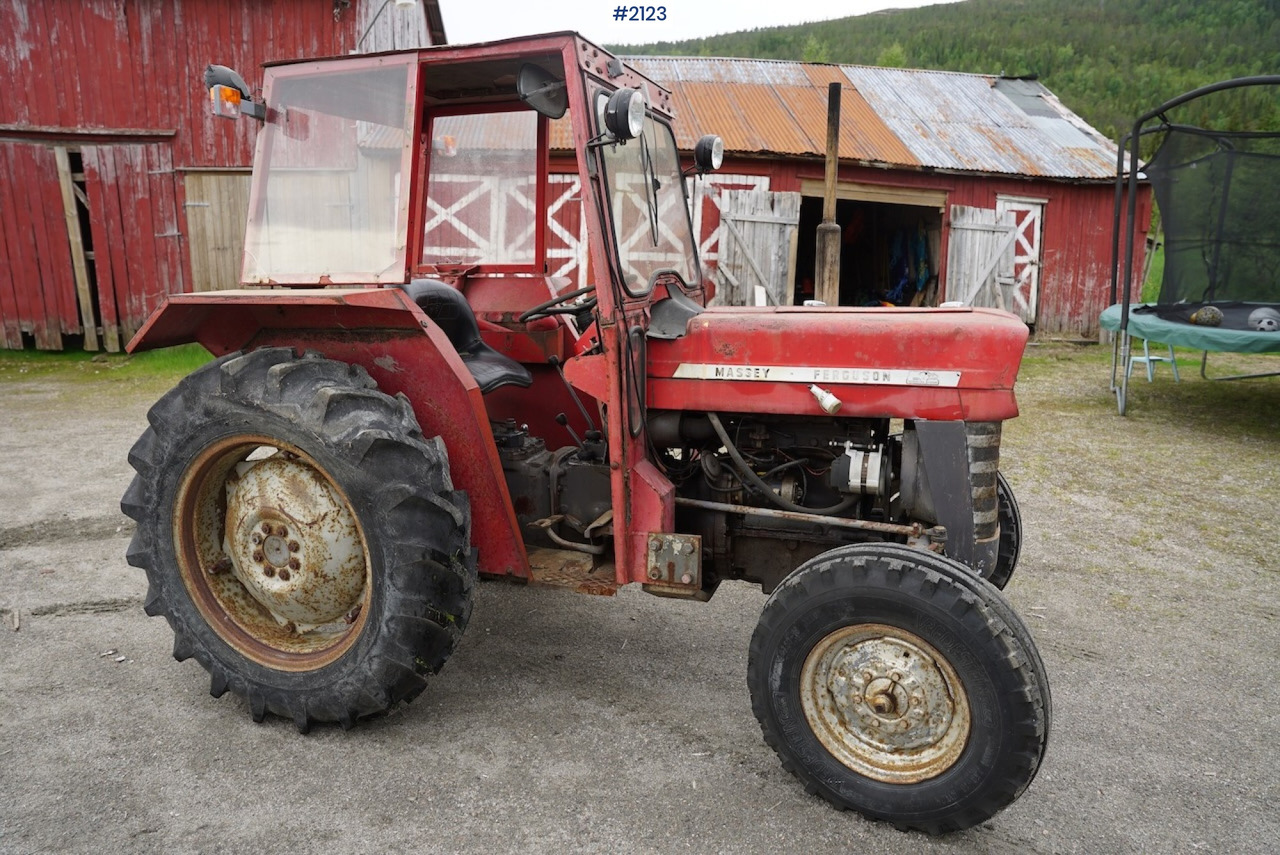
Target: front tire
[(894, 682), (301, 536), (1010, 516)]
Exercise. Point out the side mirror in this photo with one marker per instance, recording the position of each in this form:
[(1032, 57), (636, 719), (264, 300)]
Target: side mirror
[(708, 153), (220, 75), (624, 114), (542, 90)]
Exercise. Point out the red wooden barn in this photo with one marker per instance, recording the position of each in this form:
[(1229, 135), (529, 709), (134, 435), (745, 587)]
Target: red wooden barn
[(118, 186), (965, 187)]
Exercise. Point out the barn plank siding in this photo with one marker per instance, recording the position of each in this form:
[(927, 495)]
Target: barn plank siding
[(123, 82)]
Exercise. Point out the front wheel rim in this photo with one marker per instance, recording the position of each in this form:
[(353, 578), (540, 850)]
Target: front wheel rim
[(885, 703), (262, 572)]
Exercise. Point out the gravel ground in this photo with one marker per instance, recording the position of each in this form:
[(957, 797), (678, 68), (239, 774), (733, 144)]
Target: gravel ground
[(570, 723)]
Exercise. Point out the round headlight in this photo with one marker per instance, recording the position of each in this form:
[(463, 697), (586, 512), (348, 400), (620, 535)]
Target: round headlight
[(708, 153), (624, 115)]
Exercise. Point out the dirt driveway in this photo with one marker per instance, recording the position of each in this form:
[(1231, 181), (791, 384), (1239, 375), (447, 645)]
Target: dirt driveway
[(567, 723)]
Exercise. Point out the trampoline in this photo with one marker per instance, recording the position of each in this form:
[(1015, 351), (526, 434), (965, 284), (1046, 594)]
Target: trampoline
[(1219, 198)]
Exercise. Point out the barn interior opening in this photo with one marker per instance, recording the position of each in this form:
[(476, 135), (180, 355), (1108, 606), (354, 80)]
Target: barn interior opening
[(888, 253)]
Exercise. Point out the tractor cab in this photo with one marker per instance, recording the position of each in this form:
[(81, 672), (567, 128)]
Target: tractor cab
[(474, 165)]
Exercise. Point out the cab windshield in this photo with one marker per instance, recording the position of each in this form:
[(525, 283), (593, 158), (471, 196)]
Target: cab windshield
[(326, 204), (651, 225)]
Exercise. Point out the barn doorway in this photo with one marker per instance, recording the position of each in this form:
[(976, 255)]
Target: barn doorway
[(889, 254)]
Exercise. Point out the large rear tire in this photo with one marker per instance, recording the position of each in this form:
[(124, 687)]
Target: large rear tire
[(301, 536), (895, 682)]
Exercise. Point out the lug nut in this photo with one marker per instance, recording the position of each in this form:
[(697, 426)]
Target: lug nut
[(268, 571), (258, 556), (294, 564), (266, 528), (282, 531), (284, 574), (294, 546), (257, 538)]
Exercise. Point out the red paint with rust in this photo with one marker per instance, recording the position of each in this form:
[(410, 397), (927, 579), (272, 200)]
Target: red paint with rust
[(984, 345), (401, 348)]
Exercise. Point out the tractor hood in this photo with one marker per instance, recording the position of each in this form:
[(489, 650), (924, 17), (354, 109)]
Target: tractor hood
[(939, 364)]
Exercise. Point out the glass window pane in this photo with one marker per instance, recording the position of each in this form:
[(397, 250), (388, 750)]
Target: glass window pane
[(482, 191), (329, 201)]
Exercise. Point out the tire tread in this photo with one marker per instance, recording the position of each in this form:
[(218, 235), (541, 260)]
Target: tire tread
[(421, 525), (979, 612)]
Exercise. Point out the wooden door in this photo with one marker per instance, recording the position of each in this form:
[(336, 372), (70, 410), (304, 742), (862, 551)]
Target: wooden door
[(980, 257), (217, 206), (757, 247)]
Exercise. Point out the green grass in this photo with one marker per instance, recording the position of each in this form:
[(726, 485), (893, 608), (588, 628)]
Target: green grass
[(166, 364), (1155, 275), (1186, 471)]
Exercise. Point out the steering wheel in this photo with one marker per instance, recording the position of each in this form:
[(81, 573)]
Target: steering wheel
[(558, 305)]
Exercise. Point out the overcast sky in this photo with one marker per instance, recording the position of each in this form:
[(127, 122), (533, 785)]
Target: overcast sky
[(484, 20)]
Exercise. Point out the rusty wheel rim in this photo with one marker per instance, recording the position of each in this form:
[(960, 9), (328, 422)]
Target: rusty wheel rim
[(885, 703), (272, 553)]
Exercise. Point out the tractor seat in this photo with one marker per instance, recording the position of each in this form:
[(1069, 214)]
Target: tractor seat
[(452, 313)]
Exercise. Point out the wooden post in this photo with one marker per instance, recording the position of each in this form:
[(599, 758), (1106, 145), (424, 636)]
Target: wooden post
[(79, 263), (827, 280)]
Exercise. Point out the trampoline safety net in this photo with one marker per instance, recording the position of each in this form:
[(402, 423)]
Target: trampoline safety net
[(1219, 198)]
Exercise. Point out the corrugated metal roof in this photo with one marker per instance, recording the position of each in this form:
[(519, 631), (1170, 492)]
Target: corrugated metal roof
[(897, 117), (966, 122), (770, 107), (891, 116)]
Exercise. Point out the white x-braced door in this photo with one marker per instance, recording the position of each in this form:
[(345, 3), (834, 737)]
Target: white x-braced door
[(1028, 215)]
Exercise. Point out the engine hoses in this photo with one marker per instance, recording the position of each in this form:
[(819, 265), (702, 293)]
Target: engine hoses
[(755, 480)]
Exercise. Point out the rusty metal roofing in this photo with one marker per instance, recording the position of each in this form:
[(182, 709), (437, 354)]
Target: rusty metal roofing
[(770, 107), (980, 123), (890, 116)]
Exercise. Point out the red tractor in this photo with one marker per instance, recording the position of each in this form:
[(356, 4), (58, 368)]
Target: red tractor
[(416, 401)]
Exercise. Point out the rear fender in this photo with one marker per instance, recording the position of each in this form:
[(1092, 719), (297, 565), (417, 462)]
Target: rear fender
[(401, 348)]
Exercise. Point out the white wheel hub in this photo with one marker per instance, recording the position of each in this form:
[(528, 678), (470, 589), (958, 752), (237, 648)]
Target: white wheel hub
[(293, 541), (885, 703)]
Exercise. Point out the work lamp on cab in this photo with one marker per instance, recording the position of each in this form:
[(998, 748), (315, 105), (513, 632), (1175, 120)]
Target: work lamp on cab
[(624, 114), (708, 153)]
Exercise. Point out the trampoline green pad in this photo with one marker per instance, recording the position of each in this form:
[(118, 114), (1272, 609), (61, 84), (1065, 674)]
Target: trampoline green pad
[(1152, 327)]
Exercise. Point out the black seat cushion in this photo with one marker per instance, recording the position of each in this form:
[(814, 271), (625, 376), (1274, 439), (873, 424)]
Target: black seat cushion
[(452, 313)]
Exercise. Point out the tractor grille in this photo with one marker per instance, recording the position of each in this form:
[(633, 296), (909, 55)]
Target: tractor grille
[(983, 440)]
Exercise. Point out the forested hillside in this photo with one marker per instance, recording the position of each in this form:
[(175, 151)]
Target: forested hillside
[(1108, 60)]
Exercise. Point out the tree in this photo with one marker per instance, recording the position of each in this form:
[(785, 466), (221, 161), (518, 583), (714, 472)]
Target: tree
[(893, 56), (815, 50)]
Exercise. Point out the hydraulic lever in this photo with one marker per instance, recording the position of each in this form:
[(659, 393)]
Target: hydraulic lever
[(563, 421), (557, 364)]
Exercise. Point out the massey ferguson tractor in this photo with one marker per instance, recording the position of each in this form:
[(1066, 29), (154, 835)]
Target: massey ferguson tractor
[(407, 397)]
